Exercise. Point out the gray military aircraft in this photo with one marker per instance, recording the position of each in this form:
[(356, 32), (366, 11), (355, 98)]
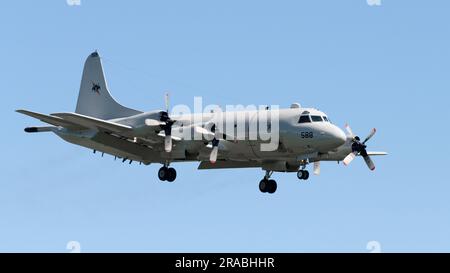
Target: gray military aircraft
[(303, 135)]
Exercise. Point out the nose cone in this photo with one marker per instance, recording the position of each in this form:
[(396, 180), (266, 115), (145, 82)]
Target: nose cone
[(338, 136), (333, 137)]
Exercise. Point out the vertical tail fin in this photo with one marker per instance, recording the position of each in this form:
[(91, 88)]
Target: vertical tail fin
[(94, 99)]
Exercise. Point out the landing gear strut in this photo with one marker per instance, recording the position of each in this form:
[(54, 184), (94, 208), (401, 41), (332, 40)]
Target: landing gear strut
[(167, 174), (268, 185)]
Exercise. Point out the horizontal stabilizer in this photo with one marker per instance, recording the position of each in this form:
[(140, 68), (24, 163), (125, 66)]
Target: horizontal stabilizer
[(94, 123), (57, 121)]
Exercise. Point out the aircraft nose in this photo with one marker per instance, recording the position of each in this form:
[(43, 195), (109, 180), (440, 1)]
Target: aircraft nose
[(339, 137)]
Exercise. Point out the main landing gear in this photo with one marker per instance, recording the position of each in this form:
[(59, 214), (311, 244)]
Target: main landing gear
[(268, 185), (167, 174)]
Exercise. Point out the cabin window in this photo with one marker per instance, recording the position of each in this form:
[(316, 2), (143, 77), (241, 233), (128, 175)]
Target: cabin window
[(316, 118), (304, 119)]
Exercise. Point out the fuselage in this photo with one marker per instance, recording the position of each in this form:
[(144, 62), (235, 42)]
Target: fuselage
[(303, 133)]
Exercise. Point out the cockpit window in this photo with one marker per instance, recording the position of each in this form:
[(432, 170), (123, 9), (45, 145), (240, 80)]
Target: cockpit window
[(316, 118), (325, 118), (304, 119)]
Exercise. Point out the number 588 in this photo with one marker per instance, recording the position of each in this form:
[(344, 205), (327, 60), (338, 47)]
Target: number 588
[(306, 135)]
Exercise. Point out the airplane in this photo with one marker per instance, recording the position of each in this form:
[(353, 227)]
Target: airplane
[(306, 135)]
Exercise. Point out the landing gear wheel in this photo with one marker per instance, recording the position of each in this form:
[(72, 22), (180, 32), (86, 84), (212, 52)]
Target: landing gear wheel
[(300, 174), (303, 175), (162, 173), (269, 186), (171, 175), (263, 185), (272, 186)]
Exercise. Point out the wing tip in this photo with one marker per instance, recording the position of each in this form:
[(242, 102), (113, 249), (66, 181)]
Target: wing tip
[(21, 111)]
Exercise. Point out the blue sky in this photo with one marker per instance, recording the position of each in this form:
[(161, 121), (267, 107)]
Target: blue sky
[(372, 66)]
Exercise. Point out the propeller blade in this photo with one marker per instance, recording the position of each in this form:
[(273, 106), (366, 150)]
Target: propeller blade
[(372, 133), (213, 155), (215, 150), (166, 98), (153, 122), (217, 135), (349, 130), (203, 131), (317, 168), (348, 159), (168, 143), (369, 162)]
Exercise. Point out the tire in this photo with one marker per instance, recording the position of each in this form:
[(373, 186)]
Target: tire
[(300, 174), (306, 175), (272, 186), (171, 175), (263, 185), (162, 173)]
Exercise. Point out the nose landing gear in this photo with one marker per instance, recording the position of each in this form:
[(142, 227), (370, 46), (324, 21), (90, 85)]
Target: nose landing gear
[(303, 175)]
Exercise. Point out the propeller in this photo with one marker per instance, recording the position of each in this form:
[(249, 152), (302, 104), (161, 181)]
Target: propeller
[(166, 123), (214, 145), (359, 148)]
